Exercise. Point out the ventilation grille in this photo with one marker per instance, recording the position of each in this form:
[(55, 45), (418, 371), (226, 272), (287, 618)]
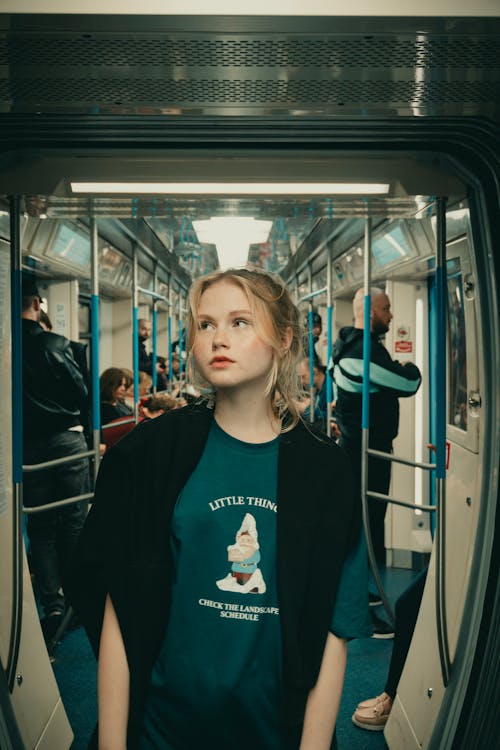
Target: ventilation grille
[(371, 52), (367, 75), (207, 92)]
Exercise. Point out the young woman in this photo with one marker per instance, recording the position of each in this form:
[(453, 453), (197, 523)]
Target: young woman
[(219, 573), (113, 385)]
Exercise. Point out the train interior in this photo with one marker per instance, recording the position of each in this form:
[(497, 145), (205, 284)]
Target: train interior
[(116, 221)]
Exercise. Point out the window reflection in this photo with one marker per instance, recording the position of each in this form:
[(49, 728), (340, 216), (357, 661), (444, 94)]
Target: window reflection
[(457, 397)]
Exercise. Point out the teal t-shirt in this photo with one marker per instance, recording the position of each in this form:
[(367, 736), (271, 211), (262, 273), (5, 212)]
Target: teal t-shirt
[(217, 680)]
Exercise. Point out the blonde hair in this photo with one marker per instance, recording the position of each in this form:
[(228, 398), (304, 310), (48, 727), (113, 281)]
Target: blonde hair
[(275, 315)]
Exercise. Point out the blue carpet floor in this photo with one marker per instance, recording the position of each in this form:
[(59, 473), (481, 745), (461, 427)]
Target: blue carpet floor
[(367, 665)]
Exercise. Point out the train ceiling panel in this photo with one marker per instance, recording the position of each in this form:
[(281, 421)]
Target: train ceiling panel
[(208, 66)]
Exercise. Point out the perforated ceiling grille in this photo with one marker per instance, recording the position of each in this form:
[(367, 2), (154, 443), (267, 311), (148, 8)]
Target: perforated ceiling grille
[(236, 53), (349, 74), (206, 91)]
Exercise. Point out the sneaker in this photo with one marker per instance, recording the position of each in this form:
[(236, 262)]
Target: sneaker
[(373, 714), (374, 599), (381, 628)]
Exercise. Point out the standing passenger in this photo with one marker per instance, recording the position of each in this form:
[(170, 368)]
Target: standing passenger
[(219, 571), (389, 380), (146, 358), (53, 393)]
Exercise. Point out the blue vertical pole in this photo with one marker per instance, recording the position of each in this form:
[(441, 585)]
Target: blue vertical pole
[(310, 320), (135, 353), (329, 337), (440, 409), (135, 333), (329, 383), (365, 416), (154, 335), (181, 361), (94, 338), (170, 363), (94, 332), (365, 419), (433, 344), (310, 317), (440, 370)]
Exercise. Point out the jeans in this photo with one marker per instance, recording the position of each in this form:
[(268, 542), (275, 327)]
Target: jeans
[(53, 534)]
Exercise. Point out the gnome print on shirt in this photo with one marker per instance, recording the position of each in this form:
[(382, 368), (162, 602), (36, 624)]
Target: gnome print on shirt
[(245, 576)]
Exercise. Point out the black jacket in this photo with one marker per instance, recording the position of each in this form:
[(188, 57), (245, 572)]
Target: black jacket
[(389, 380), (145, 359), (53, 385), (124, 547)]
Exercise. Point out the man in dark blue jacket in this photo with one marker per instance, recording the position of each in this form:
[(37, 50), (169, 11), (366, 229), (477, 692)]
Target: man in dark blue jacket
[(53, 393), (389, 380)]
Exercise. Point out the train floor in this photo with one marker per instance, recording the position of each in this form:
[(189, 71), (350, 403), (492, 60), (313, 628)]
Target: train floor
[(367, 665)]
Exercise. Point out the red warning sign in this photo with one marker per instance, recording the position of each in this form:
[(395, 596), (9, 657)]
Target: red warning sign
[(405, 347)]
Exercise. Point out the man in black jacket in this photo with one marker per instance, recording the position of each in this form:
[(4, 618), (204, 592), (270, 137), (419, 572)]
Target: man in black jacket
[(53, 392), (389, 380), (146, 359)]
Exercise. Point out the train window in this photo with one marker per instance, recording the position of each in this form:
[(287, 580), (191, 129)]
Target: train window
[(457, 222), (124, 278), (457, 394), (391, 247), (70, 245), (144, 278), (355, 260), (319, 280), (110, 264), (162, 288)]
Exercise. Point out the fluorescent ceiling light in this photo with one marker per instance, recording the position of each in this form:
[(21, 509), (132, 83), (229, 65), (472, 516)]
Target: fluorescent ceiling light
[(233, 188), (232, 235)]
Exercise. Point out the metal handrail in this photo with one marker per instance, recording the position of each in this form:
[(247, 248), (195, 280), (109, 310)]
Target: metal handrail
[(57, 504), (365, 421), (154, 295), (404, 503), (311, 295), (56, 461), (399, 460), (126, 420)]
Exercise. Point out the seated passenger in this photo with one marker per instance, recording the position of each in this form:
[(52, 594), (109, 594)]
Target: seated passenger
[(113, 389), (145, 383), (320, 402), (319, 382), (156, 405)]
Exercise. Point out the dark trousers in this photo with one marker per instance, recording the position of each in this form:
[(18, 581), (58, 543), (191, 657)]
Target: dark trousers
[(406, 613), (53, 534), (379, 479)]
